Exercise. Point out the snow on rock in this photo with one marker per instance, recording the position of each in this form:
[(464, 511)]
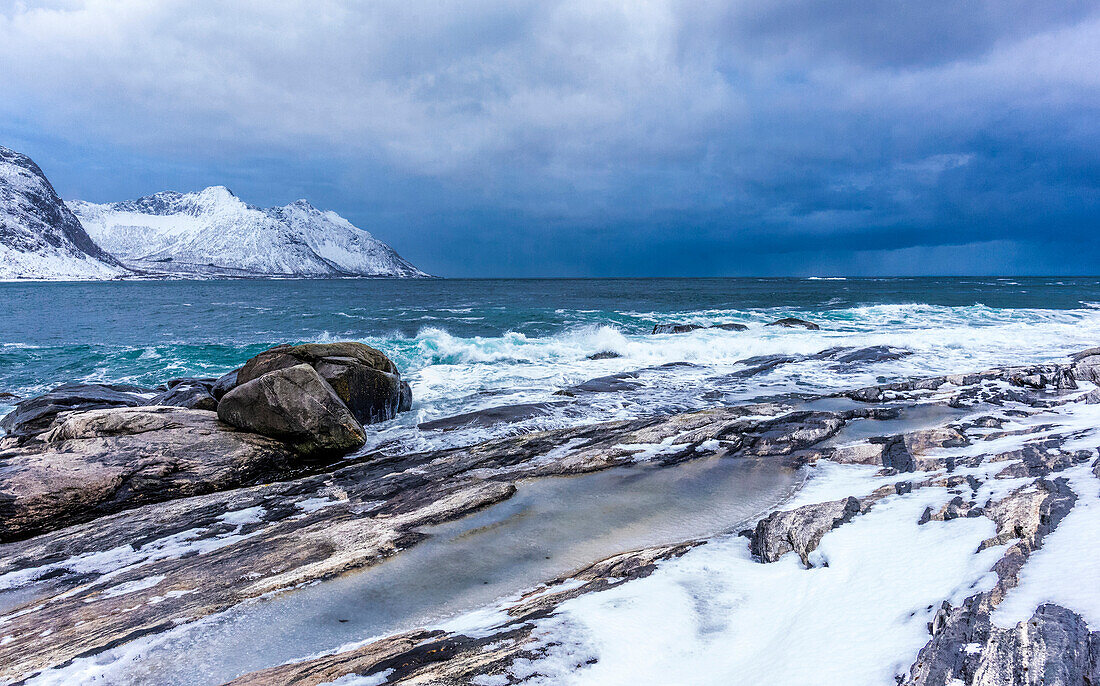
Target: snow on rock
[(40, 238), (725, 618), (214, 233)]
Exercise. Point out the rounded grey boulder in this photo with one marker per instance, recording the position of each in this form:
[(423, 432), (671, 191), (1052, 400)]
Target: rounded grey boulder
[(297, 406)]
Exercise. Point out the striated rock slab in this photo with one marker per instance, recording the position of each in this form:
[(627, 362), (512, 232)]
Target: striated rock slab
[(104, 461), (38, 414)]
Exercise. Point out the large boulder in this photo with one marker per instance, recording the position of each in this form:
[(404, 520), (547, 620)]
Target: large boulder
[(283, 356), (98, 462), (35, 415), (363, 378), (297, 406)]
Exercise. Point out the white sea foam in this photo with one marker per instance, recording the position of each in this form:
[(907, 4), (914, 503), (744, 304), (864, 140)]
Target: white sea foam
[(452, 374)]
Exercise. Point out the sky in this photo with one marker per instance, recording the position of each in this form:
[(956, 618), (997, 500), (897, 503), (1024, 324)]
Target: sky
[(485, 138)]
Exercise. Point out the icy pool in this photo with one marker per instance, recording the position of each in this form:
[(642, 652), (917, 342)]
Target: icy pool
[(550, 527)]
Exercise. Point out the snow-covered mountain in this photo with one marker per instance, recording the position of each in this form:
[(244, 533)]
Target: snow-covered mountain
[(213, 233), (39, 237)]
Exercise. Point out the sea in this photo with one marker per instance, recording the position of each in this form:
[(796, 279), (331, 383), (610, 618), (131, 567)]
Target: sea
[(471, 345)]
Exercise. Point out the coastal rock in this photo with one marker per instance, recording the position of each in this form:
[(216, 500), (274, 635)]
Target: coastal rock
[(103, 461), (794, 322), (674, 328), (282, 356), (295, 405), (225, 383), (35, 415), (190, 393), (371, 395), (1057, 379), (1029, 514), (686, 328), (1086, 365), (492, 416), (623, 381), (874, 353), (732, 326), (604, 355), (800, 529), (363, 378), (1053, 647)]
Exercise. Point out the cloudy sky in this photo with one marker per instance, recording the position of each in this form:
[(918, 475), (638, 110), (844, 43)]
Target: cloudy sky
[(589, 137)]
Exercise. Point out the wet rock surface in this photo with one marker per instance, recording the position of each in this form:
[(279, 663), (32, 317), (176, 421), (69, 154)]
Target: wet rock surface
[(493, 416), (331, 523), (688, 328)]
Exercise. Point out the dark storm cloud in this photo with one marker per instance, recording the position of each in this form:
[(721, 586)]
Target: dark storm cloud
[(589, 138)]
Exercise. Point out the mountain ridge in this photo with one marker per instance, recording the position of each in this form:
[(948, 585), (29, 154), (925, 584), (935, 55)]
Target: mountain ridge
[(40, 237), (213, 232)]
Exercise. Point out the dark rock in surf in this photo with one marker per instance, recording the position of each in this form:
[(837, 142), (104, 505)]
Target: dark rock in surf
[(35, 415), (612, 383), (794, 322), (492, 416), (687, 328), (604, 355), (371, 395), (874, 353), (674, 328), (297, 406)]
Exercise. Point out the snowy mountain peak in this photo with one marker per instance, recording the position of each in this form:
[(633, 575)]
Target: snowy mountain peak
[(212, 232), (40, 238)]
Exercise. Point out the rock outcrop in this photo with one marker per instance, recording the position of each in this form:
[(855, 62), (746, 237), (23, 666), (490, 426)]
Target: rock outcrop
[(35, 415), (800, 529), (102, 461)]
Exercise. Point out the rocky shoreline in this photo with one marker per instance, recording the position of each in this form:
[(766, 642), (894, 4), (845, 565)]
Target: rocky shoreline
[(124, 519)]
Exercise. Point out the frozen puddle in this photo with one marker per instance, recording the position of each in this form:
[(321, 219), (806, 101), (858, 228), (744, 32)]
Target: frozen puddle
[(550, 527)]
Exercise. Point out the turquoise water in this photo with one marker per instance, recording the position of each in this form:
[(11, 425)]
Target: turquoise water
[(469, 344)]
